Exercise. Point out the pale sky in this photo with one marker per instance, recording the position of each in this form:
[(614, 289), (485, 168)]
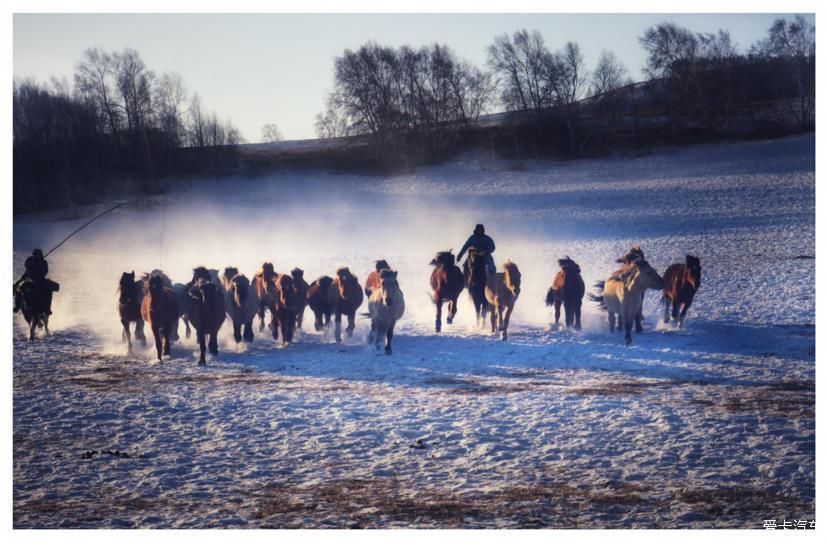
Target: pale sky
[(278, 68)]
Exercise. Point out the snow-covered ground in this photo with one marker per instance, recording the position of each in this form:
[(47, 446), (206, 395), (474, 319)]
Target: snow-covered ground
[(709, 426)]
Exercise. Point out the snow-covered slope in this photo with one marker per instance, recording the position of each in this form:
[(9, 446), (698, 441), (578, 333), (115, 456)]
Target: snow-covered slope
[(709, 426)]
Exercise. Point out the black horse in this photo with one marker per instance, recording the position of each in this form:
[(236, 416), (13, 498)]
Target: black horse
[(476, 275)]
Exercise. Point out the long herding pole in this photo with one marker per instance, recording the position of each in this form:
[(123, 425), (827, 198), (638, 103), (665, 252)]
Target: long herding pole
[(86, 224)]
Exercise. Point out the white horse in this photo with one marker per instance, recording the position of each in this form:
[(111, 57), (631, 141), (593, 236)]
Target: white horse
[(385, 306), (240, 303)]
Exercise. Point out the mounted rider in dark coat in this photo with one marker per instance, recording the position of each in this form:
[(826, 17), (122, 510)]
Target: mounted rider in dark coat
[(36, 270), (480, 242)]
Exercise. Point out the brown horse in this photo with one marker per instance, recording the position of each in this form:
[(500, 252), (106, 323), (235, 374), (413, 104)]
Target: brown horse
[(318, 300), (301, 288), (180, 291), (567, 289), (681, 282), (477, 274), (373, 280), (159, 309), (502, 291), (130, 296), (240, 303), (206, 311), (623, 294), (447, 283), (285, 307), (345, 297), (265, 288)]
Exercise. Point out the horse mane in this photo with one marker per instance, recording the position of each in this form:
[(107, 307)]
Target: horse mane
[(266, 270), (509, 265), (445, 258)]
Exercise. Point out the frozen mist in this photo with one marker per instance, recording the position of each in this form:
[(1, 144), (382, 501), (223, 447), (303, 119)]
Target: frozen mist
[(710, 426)]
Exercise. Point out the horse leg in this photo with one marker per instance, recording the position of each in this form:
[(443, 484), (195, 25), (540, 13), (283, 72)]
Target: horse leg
[(202, 347), (683, 313), (493, 317), (213, 344), (156, 334), (338, 326), (639, 317), (372, 334), (666, 301), (452, 310), (506, 321), (125, 336), (676, 305), (578, 316), (237, 328), (274, 325), (248, 331), (557, 311), (167, 336), (46, 324), (611, 318), (389, 335), (139, 332), (568, 316), (261, 313), (32, 327), (187, 330), (351, 323), (439, 318), (628, 324)]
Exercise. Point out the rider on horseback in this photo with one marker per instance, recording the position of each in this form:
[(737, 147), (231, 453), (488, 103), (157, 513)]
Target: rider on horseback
[(36, 270), (480, 242)]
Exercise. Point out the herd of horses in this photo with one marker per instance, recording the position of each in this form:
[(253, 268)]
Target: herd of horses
[(209, 298)]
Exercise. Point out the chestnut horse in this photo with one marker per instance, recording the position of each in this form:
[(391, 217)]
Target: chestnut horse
[(345, 297), (130, 296), (318, 300), (681, 282), (623, 294), (285, 308), (477, 274), (240, 303), (206, 312), (160, 310), (373, 280), (447, 283), (385, 306), (502, 291), (265, 288), (301, 288), (567, 288)]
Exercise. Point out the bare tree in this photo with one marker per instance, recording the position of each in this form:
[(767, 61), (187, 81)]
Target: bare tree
[(170, 94), (522, 63), (197, 122), (95, 81), (609, 74), (794, 43), (271, 133)]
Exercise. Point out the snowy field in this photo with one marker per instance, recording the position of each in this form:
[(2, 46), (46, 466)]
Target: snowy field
[(710, 426)]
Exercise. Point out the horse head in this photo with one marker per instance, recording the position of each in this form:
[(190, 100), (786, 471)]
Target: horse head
[(201, 273), (267, 271), (389, 286), (126, 288), (379, 265), (694, 270), (344, 279), (155, 287), (642, 271), (241, 289), (445, 258), (287, 293), (229, 273), (297, 274), (635, 253), (511, 275)]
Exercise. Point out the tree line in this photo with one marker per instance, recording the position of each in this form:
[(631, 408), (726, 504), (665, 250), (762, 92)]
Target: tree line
[(406, 99), (122, 127), (119, 126)]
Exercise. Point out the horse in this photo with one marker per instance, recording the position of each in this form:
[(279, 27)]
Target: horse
[(345, 297), (623, 294), (240, 303), (284, 308), (180, 291), (202, 273), (301, 288), (502, 291), (317, 297), (681, 282), (265, 288), (635, 253), (206, 309), (477, 274), (160, 310), (567, 288), (385, 306), (373, 280), (36, 303), (130, 296), (446, 283)]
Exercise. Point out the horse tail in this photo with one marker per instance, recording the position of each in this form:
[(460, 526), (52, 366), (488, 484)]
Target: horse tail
[(550, 297), (597, 299)]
